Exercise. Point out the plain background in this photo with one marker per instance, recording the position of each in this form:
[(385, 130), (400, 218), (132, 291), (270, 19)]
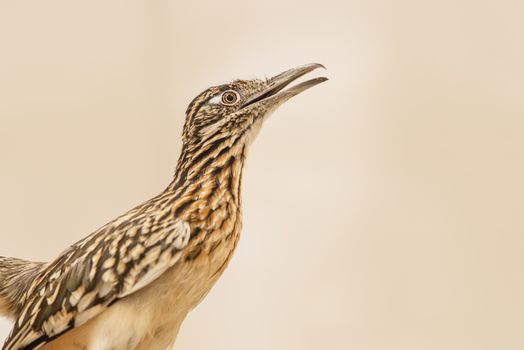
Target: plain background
[(383, 209)]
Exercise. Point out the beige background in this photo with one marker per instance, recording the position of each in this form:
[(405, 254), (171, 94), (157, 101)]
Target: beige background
[(383, 209)]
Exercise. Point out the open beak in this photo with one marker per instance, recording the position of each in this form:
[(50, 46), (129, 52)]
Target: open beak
[(275, 86)]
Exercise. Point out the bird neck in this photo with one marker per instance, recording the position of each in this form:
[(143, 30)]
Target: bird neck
[(208, 176)]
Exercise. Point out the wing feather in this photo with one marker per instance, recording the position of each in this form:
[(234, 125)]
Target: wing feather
[(114, 262)]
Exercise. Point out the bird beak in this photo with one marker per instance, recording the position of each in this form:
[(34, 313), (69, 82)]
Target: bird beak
[(274, 92)]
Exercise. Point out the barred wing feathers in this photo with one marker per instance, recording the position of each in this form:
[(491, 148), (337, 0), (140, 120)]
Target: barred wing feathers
[(114, 262)]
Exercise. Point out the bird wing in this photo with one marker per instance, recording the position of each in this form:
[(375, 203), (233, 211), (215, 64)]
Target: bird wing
[(114, 262)]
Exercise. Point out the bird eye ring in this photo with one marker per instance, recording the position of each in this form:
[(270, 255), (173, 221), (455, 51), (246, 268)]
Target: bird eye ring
[(230, 97)]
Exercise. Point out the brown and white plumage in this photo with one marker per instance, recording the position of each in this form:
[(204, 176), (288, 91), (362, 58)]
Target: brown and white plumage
[(130, 284)]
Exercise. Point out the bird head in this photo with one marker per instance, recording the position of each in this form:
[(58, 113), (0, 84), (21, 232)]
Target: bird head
[(237, 110)]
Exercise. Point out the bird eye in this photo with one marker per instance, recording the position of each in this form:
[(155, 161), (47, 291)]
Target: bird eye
[(230, 97)]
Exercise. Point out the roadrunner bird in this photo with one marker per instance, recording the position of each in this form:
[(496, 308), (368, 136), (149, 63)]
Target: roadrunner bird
[(130, 284)]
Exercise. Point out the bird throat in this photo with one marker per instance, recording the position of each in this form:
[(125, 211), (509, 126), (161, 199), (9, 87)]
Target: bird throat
[(208, 180)]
